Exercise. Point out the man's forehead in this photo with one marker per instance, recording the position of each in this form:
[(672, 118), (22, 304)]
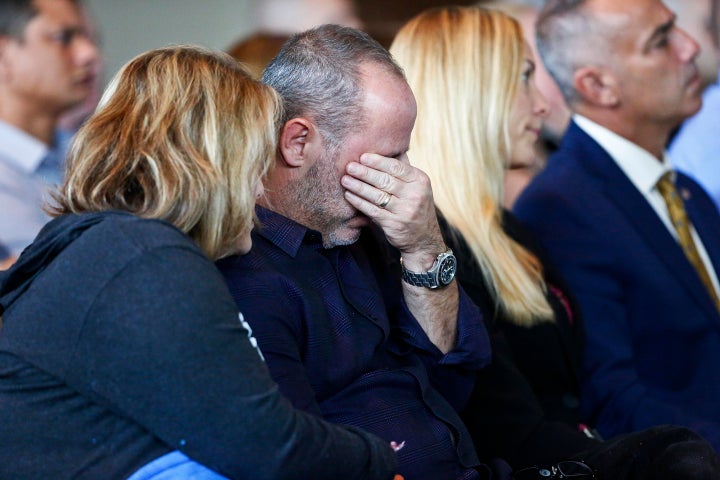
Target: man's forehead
[(380, 84), (389, 113), (632, 19), (614, 10)]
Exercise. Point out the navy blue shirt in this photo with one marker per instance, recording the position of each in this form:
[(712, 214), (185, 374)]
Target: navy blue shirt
[(341, 343)]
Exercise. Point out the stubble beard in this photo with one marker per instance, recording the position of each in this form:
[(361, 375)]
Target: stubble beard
[(319, 197)]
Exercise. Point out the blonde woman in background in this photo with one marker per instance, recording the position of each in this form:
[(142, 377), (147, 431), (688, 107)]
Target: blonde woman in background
[(478, 111), (122, 353)]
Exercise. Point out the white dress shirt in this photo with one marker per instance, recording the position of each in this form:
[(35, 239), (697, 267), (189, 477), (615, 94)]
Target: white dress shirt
[(24, 185)]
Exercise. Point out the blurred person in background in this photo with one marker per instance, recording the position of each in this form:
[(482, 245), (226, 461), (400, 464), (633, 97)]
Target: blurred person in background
[(48, 66), (554, 123), (72, 119), (637, 242)]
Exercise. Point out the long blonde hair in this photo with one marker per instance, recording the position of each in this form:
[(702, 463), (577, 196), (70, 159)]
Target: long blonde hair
[(182, 134), (464, 67)]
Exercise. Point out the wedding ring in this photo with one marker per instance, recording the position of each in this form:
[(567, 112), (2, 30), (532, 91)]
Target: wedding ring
[(385, 201)]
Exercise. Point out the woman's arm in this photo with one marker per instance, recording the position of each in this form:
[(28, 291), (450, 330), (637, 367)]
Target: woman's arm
[(163, 345)]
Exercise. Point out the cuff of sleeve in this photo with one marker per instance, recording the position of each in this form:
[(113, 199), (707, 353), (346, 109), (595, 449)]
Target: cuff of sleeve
[(472, 346)]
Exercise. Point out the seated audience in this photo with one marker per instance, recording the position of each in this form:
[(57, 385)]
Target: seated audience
[(465, 162), (489, 115), (344, 335), (637, 242), (122, 354), (49, 65)]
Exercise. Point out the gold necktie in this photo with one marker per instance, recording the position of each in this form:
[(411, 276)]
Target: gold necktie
[(676, 210)]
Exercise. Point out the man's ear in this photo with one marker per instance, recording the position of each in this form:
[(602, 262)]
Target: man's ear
[(597, 86), (294, 138)]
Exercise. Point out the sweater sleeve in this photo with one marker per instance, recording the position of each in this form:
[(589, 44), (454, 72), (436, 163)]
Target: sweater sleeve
[(163, 345)]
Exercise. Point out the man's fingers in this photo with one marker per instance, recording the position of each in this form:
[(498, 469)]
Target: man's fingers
[(395, 167), (371, 208), (377, 178), (372, 193)]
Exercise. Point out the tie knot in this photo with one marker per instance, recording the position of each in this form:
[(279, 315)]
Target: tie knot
[(666, 186)]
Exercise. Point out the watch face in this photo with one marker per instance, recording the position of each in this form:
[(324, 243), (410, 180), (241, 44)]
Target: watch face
[(447, 271)]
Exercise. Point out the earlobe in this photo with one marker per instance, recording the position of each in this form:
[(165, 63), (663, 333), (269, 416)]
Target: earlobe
[(596, 86), (294, 137)]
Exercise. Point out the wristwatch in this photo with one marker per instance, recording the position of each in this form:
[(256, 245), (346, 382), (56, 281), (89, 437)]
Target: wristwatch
[(440, 274)]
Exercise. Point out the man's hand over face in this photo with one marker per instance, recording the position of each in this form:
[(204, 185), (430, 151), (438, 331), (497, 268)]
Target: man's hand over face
[(398, 198)]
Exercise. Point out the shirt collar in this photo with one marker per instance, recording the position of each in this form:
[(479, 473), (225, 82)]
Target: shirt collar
[(284, 233), (639, 165), (20, 149)]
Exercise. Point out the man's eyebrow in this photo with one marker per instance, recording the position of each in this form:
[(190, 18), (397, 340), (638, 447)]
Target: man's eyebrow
[(661, 30)]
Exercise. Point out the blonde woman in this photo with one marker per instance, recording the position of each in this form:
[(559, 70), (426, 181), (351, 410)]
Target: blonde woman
[(122, 354), (479, 111)]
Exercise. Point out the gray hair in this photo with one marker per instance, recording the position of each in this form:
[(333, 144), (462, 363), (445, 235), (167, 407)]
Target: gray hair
[(317, 74), (562, 31)]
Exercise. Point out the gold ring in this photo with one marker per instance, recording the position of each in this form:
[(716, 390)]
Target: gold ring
[(385, 201)]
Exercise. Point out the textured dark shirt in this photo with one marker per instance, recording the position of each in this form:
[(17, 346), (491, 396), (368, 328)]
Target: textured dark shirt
[(341, 343)]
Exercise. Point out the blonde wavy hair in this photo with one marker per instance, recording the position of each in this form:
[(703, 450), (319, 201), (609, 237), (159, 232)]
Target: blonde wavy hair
[(182, 134), (464, 66)]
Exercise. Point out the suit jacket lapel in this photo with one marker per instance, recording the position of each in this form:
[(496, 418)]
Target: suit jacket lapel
[(622, 193)]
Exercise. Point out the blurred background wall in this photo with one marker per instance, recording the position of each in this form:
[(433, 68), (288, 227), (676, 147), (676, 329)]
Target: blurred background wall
[(129, 27)]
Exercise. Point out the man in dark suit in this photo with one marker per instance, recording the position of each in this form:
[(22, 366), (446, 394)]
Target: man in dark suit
[(638, 243)]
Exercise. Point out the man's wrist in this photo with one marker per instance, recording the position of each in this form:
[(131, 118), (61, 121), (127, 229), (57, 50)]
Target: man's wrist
[(422, 260), (419, 262), (440, 274)]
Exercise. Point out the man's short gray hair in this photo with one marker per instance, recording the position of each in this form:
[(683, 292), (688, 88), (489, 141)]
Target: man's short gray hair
[(562, 30), (317, 73)]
